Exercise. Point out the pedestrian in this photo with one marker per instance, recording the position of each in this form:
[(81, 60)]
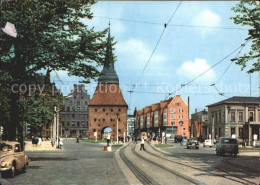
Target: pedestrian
[(52, 142), (142, 144), (39, 141), (165, 140), (108, 139), (61, 143), (77, 140)]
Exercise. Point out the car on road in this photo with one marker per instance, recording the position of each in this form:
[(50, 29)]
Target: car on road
[(207, 142), (12, 158), (178, 138), (184, 142), (227, 145), (192, 143)]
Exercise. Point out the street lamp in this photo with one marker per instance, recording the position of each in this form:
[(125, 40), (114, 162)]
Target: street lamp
[(117, 128), (172, 128)]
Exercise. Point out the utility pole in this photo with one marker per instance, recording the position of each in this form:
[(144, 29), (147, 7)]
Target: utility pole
[(117, 128)]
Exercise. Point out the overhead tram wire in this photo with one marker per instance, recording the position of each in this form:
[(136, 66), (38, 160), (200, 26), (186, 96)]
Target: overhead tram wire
[(58, 77), (232, 60), (165, 26), (172, 25), (183, 85)]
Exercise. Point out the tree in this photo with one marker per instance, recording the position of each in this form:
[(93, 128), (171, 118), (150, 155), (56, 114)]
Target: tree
[(248, 13), (50, 35)]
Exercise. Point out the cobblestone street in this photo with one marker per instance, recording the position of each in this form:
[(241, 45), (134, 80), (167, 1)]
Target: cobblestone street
[(75, 164)]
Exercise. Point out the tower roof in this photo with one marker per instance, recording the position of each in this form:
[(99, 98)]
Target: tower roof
[(108, 74)]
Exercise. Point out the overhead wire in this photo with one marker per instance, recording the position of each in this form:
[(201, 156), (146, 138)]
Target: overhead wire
[(183, 85), (172, 25)]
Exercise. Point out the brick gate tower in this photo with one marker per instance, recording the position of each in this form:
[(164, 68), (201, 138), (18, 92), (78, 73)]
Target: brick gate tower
[(107, 108)]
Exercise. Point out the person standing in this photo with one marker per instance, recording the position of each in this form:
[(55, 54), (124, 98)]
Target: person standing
[(77, 140), (142, 144), (108, 139), (52, 142)]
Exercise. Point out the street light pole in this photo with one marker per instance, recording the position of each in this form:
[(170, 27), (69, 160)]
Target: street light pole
[(117, 128)]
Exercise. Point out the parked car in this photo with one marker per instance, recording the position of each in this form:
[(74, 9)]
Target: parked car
[(184, 142), (12, 158), (178, 138), (207, 142), (227, 145), (192, 143)]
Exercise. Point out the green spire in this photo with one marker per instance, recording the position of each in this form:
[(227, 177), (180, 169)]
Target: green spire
[(108, 74)]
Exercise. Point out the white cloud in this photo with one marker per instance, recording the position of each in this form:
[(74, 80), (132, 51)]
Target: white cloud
[(138, 53), (206, 18), (191, 70)]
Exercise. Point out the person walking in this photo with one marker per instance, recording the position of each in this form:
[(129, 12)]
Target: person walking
[(108, 139), (142, 144), (77, 140), (61, 143)]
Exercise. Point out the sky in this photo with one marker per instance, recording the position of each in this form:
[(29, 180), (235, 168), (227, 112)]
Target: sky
[(182, 54)]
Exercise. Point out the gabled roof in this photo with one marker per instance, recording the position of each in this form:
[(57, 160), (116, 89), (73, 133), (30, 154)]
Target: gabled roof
[(108, 94), (155, 107), (140, 112), (163, 104), (147, 110), (238, 100)]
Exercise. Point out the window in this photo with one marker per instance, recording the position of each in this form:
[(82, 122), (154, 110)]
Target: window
[(232, 116), (78, 108), (119, 130), (182, 110), (119, 119), (219, 117), (111, 119), (184, 129), (111, 110), (95, 119), (86, 102), (172, 123), (179, 116), (179, 110), (182, 116), (104, 120), (104, 110), (68, 108), (94, 130), (177, 104), (78, 102), (95, 110), (240, 132), (251, 116), (240, 116), (68, 123), (73, 123), (73, 108), (172, 110), (233, 130), (180, 122), (70, 102), (172, 117), (62, 123), (119, 110), (78, 123), (73, 116), (82, 108)]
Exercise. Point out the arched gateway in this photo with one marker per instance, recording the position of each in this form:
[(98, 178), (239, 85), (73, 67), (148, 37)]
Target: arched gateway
[(107, 108)]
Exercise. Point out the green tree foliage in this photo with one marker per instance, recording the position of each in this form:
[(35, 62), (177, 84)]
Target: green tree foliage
[(51, 35), (247, 14)]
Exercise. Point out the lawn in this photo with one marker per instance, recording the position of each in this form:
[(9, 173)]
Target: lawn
[(163, 145)]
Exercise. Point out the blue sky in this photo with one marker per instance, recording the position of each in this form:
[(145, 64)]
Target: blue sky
[(182, 54)]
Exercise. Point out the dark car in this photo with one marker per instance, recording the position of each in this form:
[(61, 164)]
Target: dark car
[(178, 138), (227, 145), (192, 143)]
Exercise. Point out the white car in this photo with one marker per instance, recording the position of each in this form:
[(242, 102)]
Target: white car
[(207, 142)]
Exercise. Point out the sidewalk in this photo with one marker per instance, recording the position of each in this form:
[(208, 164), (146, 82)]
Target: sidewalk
[(45, 145)]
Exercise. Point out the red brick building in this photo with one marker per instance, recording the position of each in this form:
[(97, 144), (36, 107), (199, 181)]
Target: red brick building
[(170, 116), (107, 104)]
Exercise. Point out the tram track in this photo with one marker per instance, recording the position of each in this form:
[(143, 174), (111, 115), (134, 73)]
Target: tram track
[(241, 180), (140, 174)]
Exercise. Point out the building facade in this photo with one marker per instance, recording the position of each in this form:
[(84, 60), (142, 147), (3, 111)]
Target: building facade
[(237, 115), (107, 108), (170, 117), (73, 119), (130, 125), (199, 124)]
